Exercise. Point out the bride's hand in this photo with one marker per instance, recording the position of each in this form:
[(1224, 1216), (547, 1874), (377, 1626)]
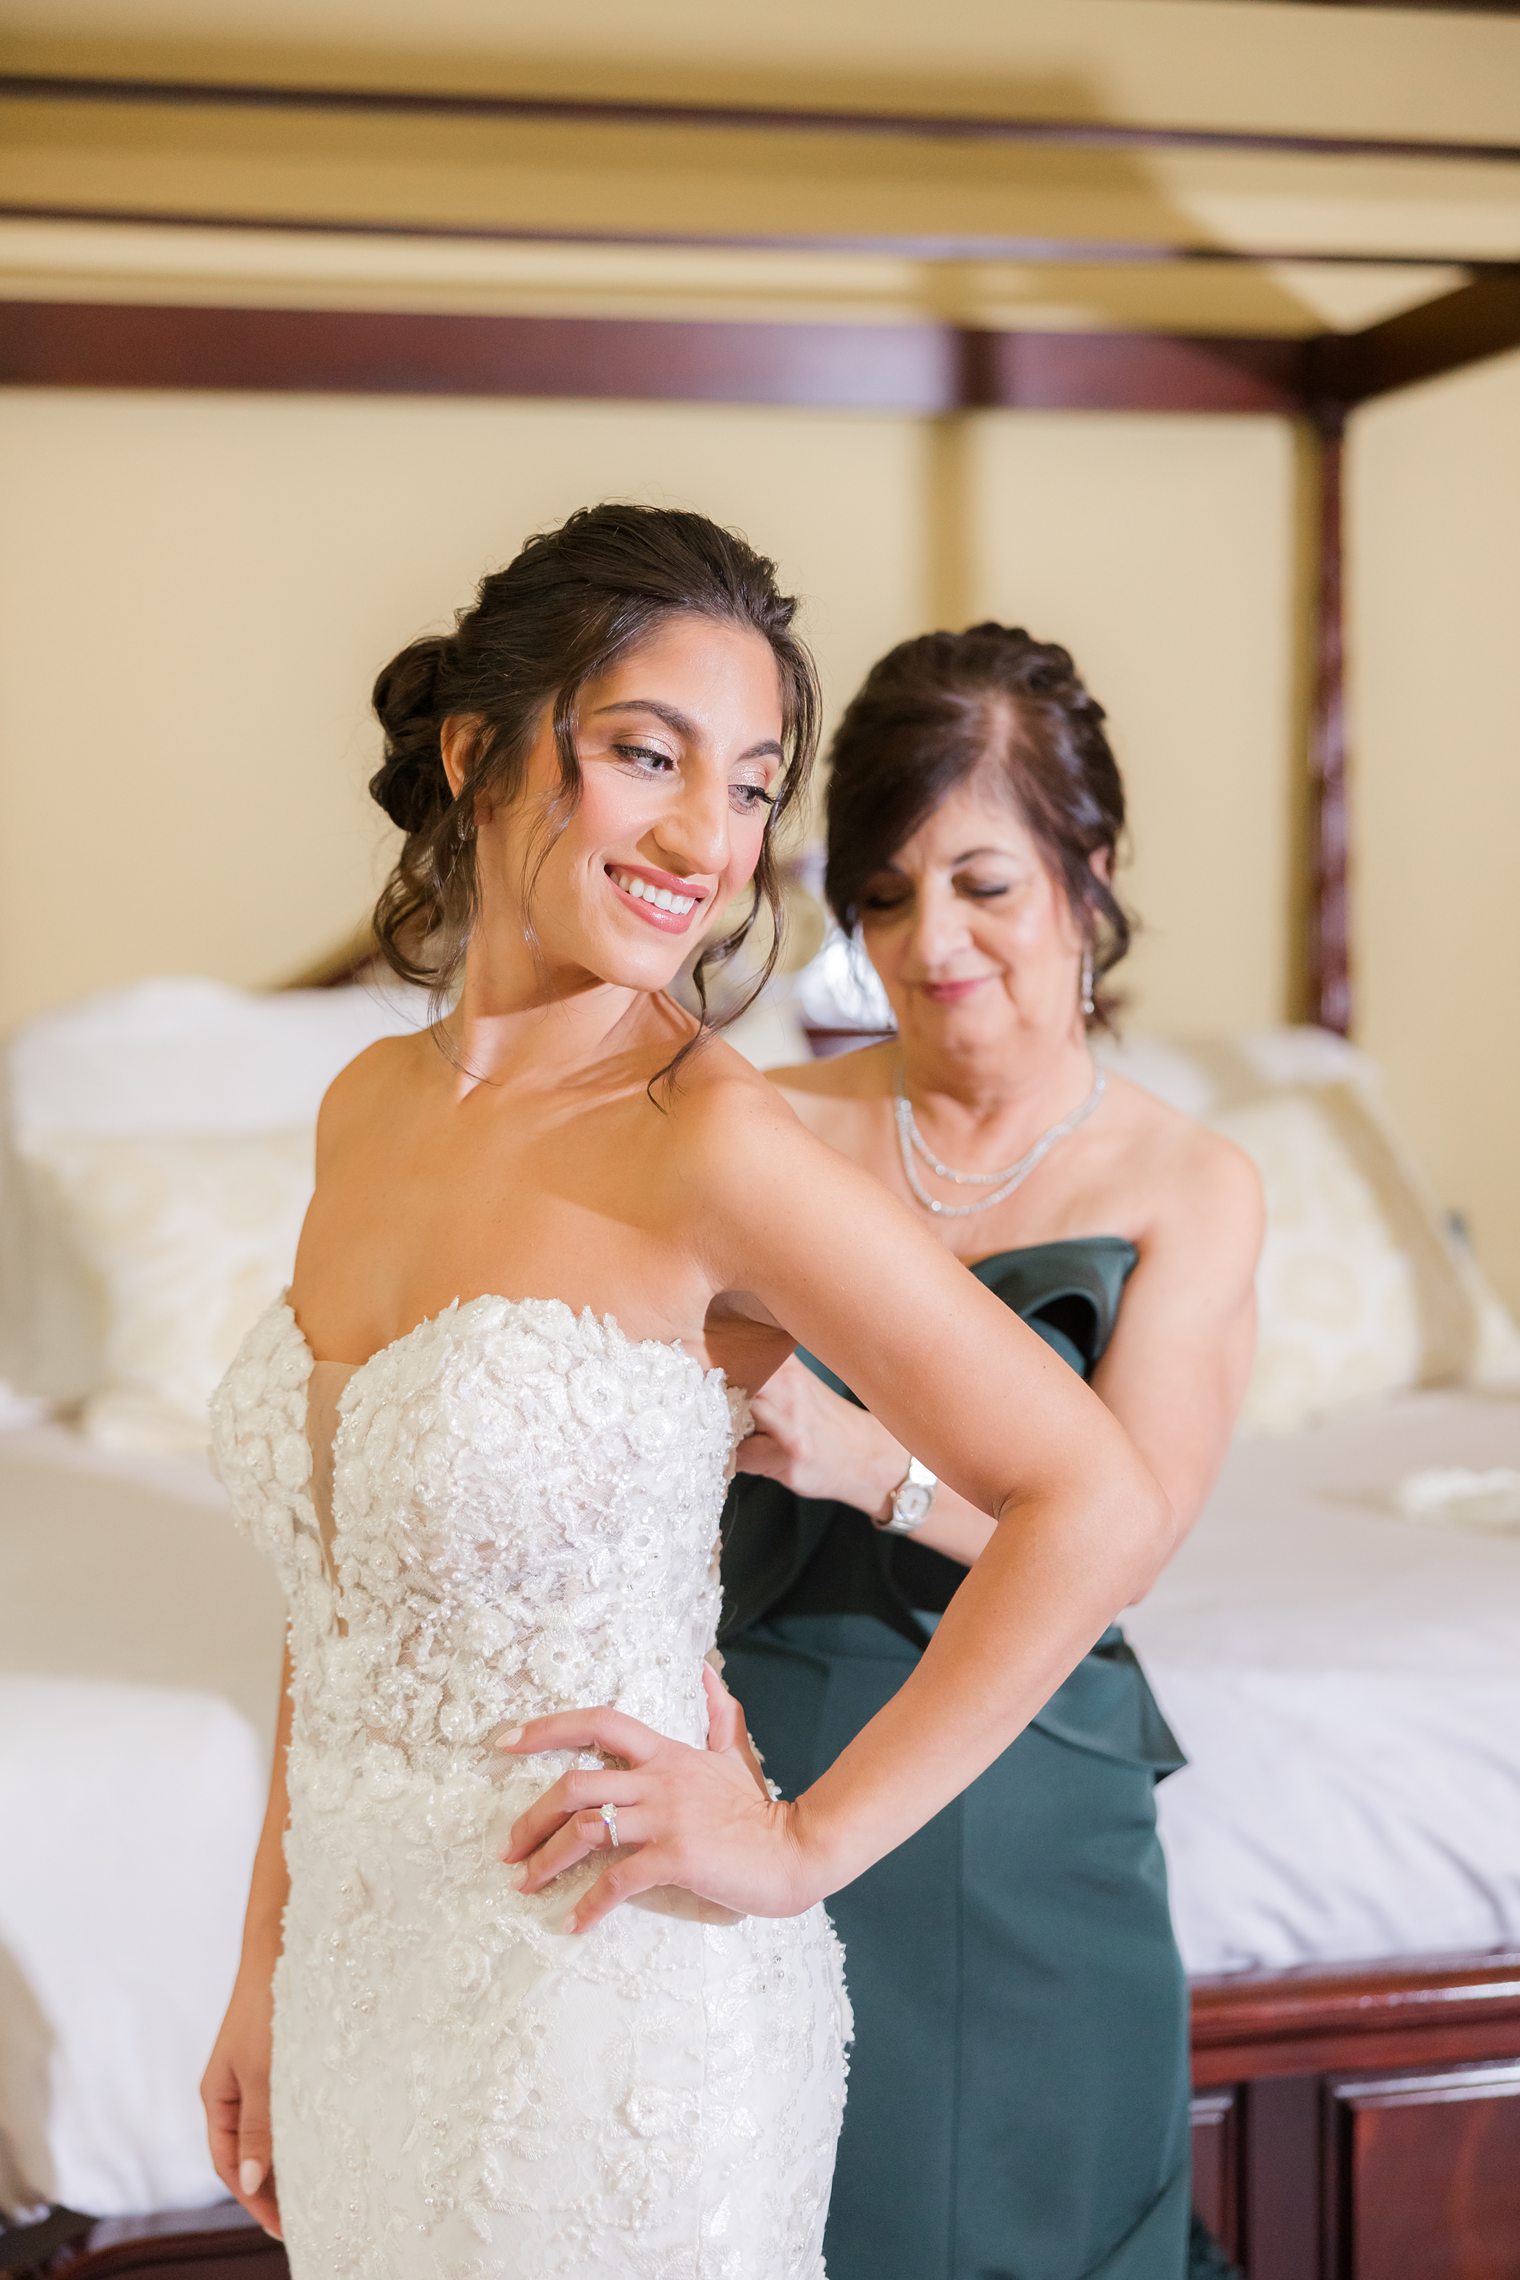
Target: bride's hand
[(235, 2094), (701, 1819), (726, 1729)]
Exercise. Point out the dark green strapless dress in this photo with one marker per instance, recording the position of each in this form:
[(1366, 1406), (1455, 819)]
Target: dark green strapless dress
[(1018, 2094)]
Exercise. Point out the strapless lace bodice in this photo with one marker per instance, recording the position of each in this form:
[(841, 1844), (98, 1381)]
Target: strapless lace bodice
[(523, 1521), (524, 1518)]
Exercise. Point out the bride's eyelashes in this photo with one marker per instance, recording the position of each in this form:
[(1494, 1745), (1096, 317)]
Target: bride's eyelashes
[(649, 761)]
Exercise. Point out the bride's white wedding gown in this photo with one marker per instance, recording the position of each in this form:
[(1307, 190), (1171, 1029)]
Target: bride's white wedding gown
[(513, 1509)]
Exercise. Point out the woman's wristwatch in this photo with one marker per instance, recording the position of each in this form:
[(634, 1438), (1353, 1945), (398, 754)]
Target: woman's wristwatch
[(910, 1503)]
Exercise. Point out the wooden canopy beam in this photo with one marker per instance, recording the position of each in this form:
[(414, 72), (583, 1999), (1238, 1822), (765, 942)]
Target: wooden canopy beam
[(928, 246), (1479, 319), (925, 369), (932, 126)]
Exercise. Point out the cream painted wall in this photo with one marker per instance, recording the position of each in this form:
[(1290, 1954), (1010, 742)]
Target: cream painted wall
[(195, 593), (1435, 657), (1162, 552)]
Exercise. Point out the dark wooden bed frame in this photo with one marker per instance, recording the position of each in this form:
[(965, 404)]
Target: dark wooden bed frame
[(1351, 2124), (1361, 2124)]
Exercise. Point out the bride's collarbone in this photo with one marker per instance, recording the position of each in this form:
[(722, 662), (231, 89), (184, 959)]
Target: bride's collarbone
[(600, 1222)]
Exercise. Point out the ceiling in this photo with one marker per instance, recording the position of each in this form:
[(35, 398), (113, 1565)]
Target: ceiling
[(1236, 166)]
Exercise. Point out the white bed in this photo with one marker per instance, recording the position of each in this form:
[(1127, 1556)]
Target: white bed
[(1347, 1686), (138, 1673)]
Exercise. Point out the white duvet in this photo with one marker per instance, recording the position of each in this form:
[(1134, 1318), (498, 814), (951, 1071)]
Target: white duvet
[(1347, 1685), (139, 1664)]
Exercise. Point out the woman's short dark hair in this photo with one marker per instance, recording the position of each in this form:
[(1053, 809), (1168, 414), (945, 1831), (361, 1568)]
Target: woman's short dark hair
[(564, 610), (991, 701)]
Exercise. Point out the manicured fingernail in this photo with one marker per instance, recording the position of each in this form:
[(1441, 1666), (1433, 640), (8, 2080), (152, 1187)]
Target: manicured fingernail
[(518, 1878), (510, 1738), (250, 2174), (572, 1923)]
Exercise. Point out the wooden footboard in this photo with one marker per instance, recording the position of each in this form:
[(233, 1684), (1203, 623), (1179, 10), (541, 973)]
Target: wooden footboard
[(178, 2244), (1361, 2124)]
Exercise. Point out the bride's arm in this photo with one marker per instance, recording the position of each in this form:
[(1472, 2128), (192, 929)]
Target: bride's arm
[(819, 1445), (235, 2086), (1082, 1527)]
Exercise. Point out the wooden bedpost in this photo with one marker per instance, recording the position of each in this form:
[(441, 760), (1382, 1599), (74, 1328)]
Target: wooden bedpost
[(1329, 826)]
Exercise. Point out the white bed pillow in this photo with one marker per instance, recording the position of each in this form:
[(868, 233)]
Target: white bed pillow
[(1364, 1288), (1361, 1291), (182, 1053), (184, 1239), (177, 1055)]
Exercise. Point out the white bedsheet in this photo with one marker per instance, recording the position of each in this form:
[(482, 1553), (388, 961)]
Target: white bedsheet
[(1347, 1687), (139, 1662)]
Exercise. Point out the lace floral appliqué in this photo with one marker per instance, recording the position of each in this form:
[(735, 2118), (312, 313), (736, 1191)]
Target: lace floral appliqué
[(524, 1519)]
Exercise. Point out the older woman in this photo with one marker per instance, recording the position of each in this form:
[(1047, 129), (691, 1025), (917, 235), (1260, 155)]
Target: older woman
[(1018, 2091)]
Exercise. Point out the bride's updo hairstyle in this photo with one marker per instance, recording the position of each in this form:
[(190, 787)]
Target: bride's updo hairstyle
[(573, 602), (990, 702)]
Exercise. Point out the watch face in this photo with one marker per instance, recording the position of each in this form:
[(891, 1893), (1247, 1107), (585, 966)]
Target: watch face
[(911, 1504)]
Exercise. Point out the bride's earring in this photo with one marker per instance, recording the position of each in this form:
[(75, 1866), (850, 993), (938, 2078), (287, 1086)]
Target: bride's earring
[(1088, 1004)]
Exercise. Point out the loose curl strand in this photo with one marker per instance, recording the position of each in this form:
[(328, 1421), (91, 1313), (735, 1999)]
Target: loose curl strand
[(572, 603), (991, 701)]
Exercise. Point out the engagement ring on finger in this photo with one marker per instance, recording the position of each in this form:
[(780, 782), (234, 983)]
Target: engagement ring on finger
[(609, 1815)]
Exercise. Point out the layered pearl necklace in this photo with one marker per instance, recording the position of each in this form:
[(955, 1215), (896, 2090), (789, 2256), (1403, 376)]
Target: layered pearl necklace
[(911, 1142)]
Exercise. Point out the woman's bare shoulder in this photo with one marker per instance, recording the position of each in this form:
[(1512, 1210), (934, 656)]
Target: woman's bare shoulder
[(863, 1074), (831, 1096), (1194, 1179)]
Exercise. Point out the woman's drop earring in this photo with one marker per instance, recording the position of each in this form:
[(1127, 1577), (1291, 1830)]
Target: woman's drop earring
[(1088, 1005)]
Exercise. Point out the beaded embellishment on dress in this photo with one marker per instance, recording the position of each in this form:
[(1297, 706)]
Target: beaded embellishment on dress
[(523, 1518)]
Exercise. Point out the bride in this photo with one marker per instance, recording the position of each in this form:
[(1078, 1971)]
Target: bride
[(535, 1978)]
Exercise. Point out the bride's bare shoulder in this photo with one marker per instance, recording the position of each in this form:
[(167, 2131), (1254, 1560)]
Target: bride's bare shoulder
[(763, 1203), (362, 1085), (722, 1112), (743, 1136)]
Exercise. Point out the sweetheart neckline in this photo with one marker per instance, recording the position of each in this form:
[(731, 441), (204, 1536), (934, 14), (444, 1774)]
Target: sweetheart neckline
[(328, 1538), (458, 1308)]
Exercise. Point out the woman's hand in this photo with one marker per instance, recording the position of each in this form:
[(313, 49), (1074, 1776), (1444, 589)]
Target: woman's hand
[(817, 1444), (701, 1819), (235, 2094)]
